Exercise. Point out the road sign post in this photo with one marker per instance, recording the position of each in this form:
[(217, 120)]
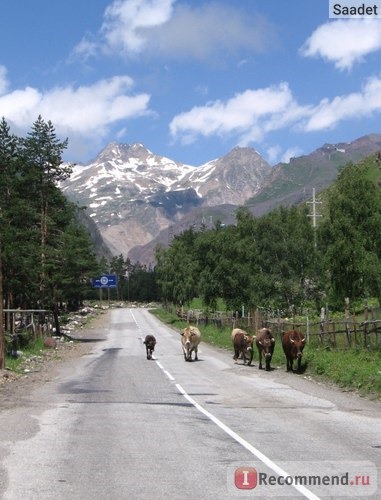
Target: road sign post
[(105, 281)]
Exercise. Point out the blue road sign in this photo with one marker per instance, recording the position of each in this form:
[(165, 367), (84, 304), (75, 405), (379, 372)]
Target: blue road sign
[(105, 281)]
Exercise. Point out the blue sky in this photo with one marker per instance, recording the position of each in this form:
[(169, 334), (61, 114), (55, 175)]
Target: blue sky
[(190, 79)]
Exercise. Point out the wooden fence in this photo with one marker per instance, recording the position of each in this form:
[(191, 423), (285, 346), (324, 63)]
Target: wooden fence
[(25, 324), (360, 330)]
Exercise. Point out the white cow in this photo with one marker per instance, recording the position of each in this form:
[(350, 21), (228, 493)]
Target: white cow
[(190, 339)]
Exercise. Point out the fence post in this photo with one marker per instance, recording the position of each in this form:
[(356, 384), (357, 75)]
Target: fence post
[(366, 311), (347, 329), (322, 321)]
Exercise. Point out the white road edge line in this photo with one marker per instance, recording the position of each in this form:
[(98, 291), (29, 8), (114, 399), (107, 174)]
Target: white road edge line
[(263, 458)]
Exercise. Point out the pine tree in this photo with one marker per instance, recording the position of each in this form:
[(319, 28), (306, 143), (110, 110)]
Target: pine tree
[(42, 169)]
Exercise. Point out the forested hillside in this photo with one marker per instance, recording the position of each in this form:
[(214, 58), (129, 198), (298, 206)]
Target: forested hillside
[(279, 260)]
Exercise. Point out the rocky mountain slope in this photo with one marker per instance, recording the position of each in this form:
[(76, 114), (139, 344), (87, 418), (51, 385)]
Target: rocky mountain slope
[(132, 194)]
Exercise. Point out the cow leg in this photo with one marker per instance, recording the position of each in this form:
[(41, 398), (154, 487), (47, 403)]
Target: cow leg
[(244, 357), (291, 363), (268, 361), (195, 354), (251, 357), (299, 363), (260, 359)]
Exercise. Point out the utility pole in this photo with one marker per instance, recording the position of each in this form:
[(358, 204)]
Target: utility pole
[(314, 214)]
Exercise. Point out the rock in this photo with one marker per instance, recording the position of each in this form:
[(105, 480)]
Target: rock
[(50, 342)]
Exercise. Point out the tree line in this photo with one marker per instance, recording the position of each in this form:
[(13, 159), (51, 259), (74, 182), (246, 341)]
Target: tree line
[(47, 257), (279, 260)]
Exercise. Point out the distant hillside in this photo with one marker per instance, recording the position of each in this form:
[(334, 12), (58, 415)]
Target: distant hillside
[(292, 183)]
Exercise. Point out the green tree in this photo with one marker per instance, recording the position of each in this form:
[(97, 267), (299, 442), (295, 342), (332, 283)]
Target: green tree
[(287, 257), (350, 238), (177, 269), (42, 169)]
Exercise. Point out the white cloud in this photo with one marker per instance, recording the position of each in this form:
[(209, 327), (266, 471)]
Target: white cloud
[(272, 154), (344, 42), (249, 115), (275, 155), (127, 22), (84, 113), (86, 48), (356, 105), (292, 152), (209, 30), (162, 28)]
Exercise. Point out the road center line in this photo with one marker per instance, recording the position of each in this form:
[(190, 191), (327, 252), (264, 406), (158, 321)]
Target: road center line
[(165, 371), (263, 458)]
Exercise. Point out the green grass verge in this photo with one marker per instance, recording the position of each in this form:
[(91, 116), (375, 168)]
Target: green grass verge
[(32, 349), (352, 370)]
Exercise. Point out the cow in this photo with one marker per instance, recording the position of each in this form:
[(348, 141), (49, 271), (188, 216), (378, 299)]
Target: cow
[(293, 343), (243, 345), (265, 344), (190, 339), (150, 343), (237, 330)]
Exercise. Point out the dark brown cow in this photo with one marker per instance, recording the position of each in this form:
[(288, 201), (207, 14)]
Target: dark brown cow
[(265, 344), (190, 339), (243, 344), (293, 343), (150, 343)]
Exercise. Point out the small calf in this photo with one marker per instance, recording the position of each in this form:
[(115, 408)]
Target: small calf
[(150, 343)]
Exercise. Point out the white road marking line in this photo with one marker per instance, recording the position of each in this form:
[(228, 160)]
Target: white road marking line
[(165, 371), (133, 317), (263, 458)]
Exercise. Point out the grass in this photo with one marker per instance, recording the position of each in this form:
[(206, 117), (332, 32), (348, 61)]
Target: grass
[(33, 349), (350, 369)]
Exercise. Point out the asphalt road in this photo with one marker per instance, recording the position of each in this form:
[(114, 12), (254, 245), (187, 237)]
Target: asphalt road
[(117, 426)]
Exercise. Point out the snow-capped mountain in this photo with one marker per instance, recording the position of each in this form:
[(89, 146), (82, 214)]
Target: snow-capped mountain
[(132, 194)]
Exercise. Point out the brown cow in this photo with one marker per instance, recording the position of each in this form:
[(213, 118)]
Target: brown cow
[(265, 344), (293, 343), (237, 330), (150, 343), (190, 339), (243, 344)]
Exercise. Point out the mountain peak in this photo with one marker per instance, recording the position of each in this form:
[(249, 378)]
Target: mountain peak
[(122, 151)]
